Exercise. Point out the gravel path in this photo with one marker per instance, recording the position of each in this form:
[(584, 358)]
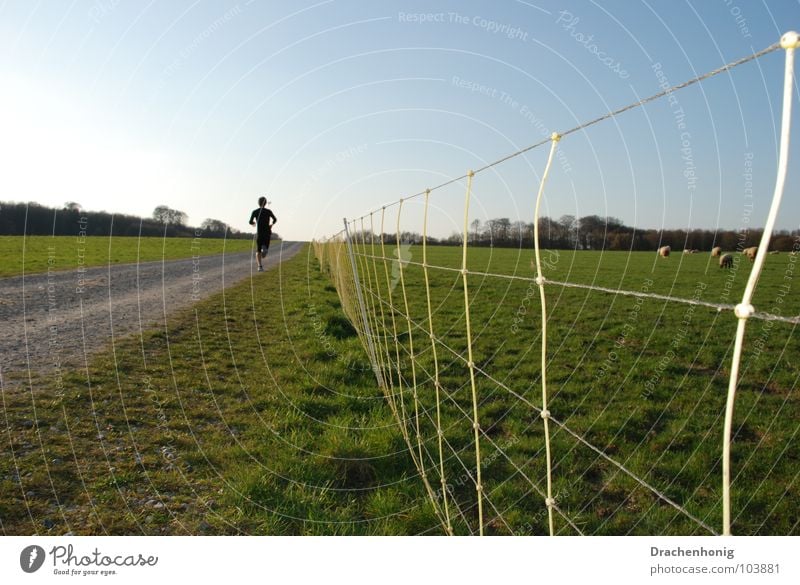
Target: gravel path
[(53, 320)]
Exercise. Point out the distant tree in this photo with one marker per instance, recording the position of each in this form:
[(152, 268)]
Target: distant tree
[(503, 231), (169, 216), (783, 242), (591, 229), (569, 229), (613, 223), (162, 214), (519, 233), (476, 226), (454, 239), (177, 217), (214, 226), (410, 238), (653, 240), (490, 230), (551, 233), (72, 206), (620, 241)]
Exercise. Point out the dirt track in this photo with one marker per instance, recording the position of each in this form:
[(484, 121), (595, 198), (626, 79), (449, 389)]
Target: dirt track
[(54, 320)]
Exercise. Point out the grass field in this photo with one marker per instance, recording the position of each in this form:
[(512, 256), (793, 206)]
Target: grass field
[(30, 254), (256, 411), (232, 421), (642, 380)]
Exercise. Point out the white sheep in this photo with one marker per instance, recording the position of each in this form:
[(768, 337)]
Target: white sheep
[(716, 251), (751, 253), (664, 251), (726, 261)]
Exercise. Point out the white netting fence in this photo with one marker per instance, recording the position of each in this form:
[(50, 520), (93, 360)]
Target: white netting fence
[(504, 445)]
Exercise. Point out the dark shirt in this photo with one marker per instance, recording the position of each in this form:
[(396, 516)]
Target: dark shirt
[(261, 217)]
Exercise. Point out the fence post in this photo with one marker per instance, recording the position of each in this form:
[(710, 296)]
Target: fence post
[(743, 311), (367, 332)]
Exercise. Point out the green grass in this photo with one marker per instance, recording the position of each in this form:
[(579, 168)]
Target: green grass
[(236, 418), (644, 381), (31, 254), (256, 412)]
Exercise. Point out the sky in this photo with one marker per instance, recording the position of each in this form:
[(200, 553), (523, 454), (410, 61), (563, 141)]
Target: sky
[(335, 108)]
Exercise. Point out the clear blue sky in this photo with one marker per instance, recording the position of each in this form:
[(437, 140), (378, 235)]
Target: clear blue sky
[(334, 108)]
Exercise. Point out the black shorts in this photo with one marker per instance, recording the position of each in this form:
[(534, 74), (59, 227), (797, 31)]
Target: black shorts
[(262, 241)]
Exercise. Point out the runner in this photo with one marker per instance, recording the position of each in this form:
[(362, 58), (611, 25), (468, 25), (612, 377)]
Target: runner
[(261, 218)]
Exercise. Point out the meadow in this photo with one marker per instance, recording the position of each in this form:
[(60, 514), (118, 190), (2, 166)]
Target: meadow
[(639, 382), (30, 254), (231, 420), (257, 412)]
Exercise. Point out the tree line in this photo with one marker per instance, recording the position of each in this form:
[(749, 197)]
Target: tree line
[(594, 232), (17, 219)]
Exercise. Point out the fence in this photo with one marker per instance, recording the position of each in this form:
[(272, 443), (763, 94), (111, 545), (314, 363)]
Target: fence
[(442, 395)]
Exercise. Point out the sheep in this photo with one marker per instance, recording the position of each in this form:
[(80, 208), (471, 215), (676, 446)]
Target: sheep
[(716, 251), (664, 251), (750, 253), (774, 252), (687, 251), (726, 261)]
